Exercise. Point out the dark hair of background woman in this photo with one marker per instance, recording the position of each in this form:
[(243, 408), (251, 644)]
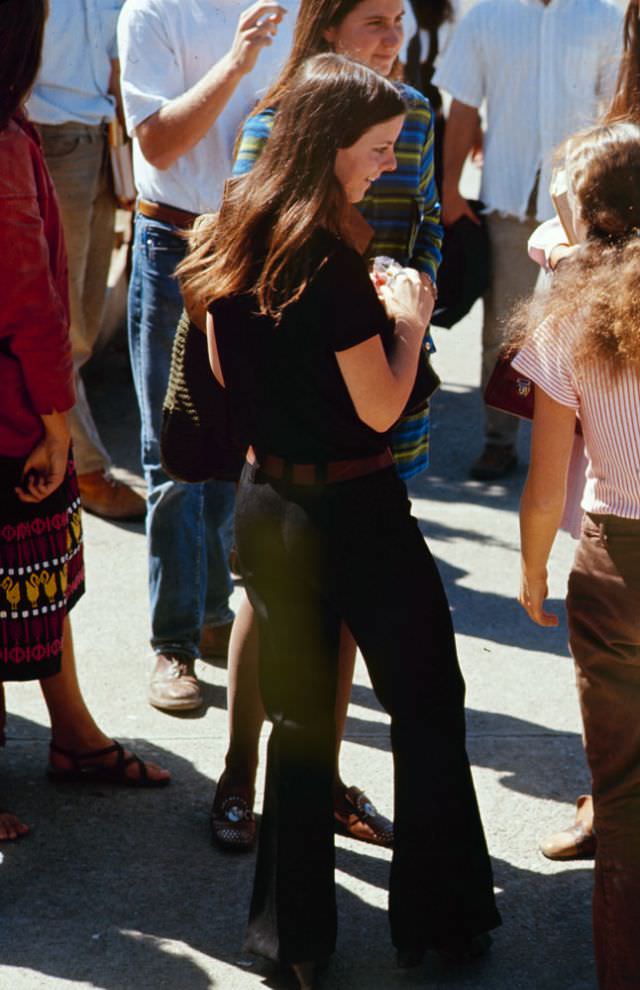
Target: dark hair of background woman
[(292, 190), (21, 35), (432, 14), (625, 105)]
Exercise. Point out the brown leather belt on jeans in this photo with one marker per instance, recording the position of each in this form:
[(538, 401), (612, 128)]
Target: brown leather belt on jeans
[(167, 214), (318, 474)]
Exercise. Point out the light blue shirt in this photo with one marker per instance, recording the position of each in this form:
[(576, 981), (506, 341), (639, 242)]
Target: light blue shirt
[(73, 82)]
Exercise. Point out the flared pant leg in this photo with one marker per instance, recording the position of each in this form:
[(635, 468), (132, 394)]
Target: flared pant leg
[(393, 600), (352, 552)]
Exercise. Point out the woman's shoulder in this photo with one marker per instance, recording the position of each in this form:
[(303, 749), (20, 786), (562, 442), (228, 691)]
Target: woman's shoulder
[(554, 340), (336, 252), (419, 119), (260, 123), (416, 101), (255, 133)]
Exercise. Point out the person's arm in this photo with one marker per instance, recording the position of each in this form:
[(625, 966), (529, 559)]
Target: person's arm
[(33, 317), (46, 466), (254, 136), (543, 499), (379, 385), (459, 137), (178, 126), (426, 252)]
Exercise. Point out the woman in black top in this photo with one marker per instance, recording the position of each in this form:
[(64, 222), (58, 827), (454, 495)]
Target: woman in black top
[(317, 371)]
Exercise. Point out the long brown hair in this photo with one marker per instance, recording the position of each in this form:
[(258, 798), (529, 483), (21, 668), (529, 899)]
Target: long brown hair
[(600, 283), (625, 104), (21, 36), (258, 241)]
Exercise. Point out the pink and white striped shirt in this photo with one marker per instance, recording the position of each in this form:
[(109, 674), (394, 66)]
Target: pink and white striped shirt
[(608, 404)]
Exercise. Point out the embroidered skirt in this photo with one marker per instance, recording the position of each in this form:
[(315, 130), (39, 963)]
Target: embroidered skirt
[(41, 574)]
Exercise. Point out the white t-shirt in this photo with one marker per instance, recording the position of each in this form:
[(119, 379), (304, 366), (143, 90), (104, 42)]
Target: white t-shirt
[(165, 48), (545, 72)]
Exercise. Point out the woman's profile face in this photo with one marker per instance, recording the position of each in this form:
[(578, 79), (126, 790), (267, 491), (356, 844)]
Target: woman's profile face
[(372, 33), (372, 154)]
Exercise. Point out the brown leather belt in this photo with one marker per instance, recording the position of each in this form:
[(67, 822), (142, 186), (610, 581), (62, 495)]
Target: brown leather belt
[(318, 474), (167, 214)]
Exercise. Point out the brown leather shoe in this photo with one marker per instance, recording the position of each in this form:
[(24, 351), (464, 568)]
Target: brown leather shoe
[(494, 462), (577, 841), (173, 686), (214, 641), (357, 817), (233, 824), (107, 497)]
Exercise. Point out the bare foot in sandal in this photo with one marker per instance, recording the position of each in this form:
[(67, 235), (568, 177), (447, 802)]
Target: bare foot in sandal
[(111, 764), (11, 827)]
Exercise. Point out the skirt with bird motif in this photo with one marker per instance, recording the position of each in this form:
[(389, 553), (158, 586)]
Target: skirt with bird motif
[(41, 573)]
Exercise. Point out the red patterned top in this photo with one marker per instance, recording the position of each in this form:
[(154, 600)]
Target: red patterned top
[(36, 370)]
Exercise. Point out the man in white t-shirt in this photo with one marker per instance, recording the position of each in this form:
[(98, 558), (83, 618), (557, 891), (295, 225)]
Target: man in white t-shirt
[(545, 69), (191, 72)]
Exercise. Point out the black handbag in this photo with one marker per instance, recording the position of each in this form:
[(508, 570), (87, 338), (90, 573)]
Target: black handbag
[(509, 391), (427, 382), (465, 271), (197, 442)]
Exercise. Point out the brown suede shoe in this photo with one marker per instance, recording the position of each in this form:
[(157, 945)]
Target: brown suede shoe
[(355, 816), (233, 824), (577, 841), (173, 686), (494, 462), (214, 641), (105, 496)]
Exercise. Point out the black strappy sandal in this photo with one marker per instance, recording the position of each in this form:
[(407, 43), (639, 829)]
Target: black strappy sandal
[(85, 770)]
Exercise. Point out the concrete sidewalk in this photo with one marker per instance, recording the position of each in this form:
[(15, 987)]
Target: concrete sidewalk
[(122, 890)]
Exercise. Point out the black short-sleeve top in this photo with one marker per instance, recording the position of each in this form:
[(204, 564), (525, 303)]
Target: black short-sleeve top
[(285, 388)]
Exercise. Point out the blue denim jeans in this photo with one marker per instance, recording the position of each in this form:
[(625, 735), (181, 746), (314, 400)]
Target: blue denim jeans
[(188, 526)]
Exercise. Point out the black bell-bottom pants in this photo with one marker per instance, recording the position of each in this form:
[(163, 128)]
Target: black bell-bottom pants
[(313, 557)]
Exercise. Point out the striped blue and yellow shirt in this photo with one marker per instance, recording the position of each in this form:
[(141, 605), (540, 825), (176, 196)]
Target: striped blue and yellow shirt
[(404, 212)]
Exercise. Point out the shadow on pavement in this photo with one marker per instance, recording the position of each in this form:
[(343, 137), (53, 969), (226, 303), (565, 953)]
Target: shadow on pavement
[(530, 758), (544, 943), (122, 889), (117, 887), (456, 440), (492, 617)]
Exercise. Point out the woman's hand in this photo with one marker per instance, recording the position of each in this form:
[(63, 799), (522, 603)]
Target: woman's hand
[(379, 381), (408, 301), (46, 465), (559, 252), (533, 591)]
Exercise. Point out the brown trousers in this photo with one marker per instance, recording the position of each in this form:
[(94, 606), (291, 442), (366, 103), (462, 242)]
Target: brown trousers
[(603, 605)]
